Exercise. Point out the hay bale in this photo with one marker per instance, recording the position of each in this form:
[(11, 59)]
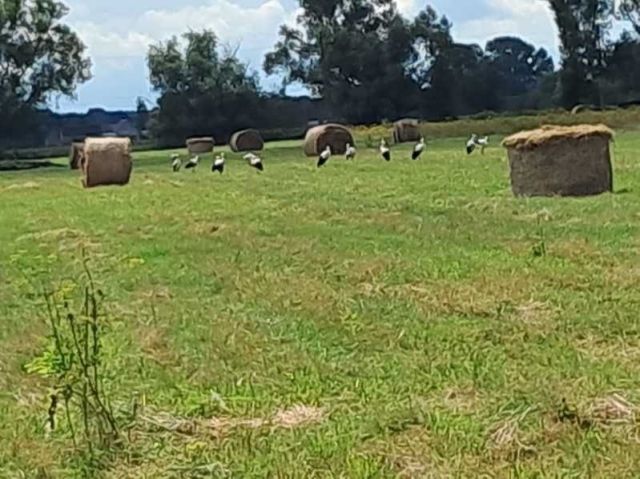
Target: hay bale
[(407, 130), (107, 161), (76, 154), (561, 161), (246, 140), (333, 135), (200, 146)]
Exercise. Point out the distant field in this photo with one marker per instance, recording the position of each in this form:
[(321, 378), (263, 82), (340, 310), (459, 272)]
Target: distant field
[(409, 319)]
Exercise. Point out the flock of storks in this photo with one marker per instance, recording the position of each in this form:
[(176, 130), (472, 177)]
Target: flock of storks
[(254, 161)]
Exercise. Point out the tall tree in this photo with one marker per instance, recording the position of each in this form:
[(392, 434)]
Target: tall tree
[(39, 57), (357, 54), (583, 26), (202, 90), (518, 65)]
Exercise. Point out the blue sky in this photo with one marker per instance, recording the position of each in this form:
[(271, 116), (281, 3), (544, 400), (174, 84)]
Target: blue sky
[(118, 32)]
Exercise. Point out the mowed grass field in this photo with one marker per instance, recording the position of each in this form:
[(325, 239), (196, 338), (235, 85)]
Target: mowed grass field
[(409, 319)]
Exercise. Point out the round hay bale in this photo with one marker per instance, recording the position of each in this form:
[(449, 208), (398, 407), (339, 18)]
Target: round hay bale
[(246, 140), (318, 138), (561, 161), (200, 146), (76, 153), (407, 130), (107, 161)]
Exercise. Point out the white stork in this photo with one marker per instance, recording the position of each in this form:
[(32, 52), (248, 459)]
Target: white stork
[(351, 152), (324, 156), (176, 163), (482, 143), (472, 143), (193, 163), (254, 161), (385, 151), (418, 149), (218, 164)]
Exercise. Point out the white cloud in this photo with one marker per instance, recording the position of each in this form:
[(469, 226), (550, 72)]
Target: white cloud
[(253, 29), (531, 20), (407, 7)]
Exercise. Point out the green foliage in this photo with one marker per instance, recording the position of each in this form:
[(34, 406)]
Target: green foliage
[(75, 364), (202, 91), (39, 57)]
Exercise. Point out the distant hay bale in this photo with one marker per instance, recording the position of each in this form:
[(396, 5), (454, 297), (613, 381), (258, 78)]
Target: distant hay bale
[(561, 161), (107, 161), (75, 155), (200, 146), (246, 140), (318, 138), (407, 130)]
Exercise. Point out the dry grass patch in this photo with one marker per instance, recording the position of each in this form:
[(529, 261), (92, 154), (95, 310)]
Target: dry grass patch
[(27, 185), (293, 417)]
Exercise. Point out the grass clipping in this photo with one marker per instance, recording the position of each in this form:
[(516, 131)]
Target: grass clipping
[(526, 140)]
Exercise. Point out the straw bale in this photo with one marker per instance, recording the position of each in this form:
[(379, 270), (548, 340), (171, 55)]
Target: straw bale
[(200, 146), (246, 140), (333, 135), (107, 161), (406, 130), (551, 133), (76, 154), (561, 161)]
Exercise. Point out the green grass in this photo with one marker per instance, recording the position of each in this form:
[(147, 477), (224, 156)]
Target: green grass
[(404, 300)]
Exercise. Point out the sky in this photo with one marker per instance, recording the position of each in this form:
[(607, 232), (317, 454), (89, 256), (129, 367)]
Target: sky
[(118, 33)]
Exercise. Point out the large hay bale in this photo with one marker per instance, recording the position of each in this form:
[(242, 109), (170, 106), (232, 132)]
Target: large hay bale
[(107, 161), (246, 140), (318, 138), (200, 146), (561, 161), (407, 130), (76, 154)]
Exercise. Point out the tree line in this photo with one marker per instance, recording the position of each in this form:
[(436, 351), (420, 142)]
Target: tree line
[(361, 59)]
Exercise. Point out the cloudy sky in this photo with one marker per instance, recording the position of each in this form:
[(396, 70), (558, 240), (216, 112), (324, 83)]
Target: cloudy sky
[(118, 32)]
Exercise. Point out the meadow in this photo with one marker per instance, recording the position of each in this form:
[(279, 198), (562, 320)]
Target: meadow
[(410, 319)]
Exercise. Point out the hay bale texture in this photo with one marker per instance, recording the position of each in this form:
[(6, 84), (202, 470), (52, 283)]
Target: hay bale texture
[(407, 130), (107, 161), (318, 138), (200, 146), (561, 161), (76, 154), (246, 140)]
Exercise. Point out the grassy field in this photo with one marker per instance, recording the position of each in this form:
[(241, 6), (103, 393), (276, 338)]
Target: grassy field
[(409, 319)]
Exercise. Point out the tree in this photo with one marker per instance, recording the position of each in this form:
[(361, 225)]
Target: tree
[(518, 65), (39, 57), (142, 117), (583, 27), (202, 91), (359, 55)]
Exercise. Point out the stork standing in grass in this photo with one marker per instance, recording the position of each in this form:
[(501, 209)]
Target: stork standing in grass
[(385, 151), (471, 144), (193, 163), (218, 164), (351, 152), (176, 163), (482, 143), (418, 149), (254, 161), (324, 157)]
